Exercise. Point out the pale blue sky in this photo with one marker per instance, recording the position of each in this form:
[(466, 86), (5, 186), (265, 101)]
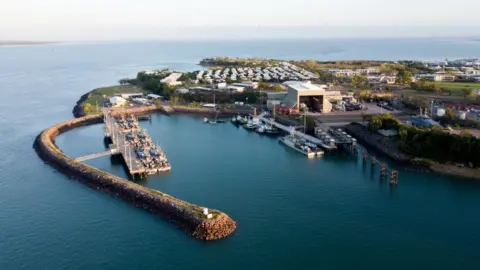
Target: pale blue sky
[(157, 19)]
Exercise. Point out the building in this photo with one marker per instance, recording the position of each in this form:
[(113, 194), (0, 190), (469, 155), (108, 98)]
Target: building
[(314, 97), (221, 85), (238, 89), (388, 79), (131, 95), (444, 77), (421, 121), (153, 96), (172, 79), (117, 101), (182, 90), (275, 99), (251, 85)]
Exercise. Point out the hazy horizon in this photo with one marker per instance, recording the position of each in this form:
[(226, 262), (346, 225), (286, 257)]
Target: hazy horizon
[(97, 20), (266, 33)]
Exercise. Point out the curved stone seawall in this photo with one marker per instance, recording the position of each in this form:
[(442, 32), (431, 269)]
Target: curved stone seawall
[(187, 216)]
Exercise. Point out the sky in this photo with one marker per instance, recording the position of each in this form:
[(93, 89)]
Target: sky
[(88, 20)]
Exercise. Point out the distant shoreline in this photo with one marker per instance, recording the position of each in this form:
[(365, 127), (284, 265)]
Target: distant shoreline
[(26, 43)]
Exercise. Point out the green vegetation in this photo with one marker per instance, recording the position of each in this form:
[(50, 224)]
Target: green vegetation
[(463, 89), (241, 62), (95, 97), (404, 77), (271, 86), (152, 83), (431, 143), (358, 81), (316, 65), (220, 97)]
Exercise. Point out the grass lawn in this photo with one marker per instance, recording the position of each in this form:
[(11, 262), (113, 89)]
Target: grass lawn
[(456, 87), (97, 94)]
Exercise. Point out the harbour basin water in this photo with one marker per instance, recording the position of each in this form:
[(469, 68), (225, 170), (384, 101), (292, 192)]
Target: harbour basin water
[(314, 210), (292, 212)]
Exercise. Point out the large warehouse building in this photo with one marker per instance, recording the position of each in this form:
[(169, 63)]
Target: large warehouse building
[(317, 98)]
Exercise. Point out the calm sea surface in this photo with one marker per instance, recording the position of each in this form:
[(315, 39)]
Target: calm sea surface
[(292, 213)]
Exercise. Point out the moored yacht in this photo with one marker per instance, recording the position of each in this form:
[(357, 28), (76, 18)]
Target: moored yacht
[(297, 145)]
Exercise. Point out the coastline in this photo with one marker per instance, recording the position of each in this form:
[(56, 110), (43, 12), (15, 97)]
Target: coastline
[(408, 162), (25, 43), (185, 215)]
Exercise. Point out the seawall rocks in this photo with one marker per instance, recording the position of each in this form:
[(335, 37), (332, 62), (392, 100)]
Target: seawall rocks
[(377, 142), (185, 215)]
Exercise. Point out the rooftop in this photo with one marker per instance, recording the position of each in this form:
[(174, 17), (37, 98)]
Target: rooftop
[(307, 86)]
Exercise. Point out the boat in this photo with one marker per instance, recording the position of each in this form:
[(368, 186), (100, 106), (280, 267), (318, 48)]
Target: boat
[(271, 130), (253, 124), (242, 120), (293, 143), (234, 119), (205, 120), (212, 122), (318, 152), (260, 129)]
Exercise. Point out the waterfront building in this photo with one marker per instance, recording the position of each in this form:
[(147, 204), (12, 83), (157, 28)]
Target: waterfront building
[(317, 98), (117, 101), (251, 85)]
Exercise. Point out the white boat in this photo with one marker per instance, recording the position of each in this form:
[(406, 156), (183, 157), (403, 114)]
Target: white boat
[(261, 129), (253, 124), (205, 120), (234, 119), (250, 125), (293, 143), (271, 130), (318, 152)]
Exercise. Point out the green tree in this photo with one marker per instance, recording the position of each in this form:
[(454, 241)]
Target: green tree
[(358, 80), (403, 133), (466, 92), (450, 115), (404, 77), (87, 108), (174, 100)]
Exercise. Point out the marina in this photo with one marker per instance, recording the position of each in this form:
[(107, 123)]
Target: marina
[(308, 149), (125, 137), (327, 139), (141, 155)]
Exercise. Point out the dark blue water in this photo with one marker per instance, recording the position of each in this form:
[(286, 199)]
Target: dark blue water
[(330, 213)]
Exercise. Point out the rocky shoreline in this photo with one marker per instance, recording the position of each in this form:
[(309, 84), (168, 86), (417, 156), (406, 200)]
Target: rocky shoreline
[(185, 215)]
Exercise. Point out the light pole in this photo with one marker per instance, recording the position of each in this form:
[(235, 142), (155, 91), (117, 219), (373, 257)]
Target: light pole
[(431, 108)]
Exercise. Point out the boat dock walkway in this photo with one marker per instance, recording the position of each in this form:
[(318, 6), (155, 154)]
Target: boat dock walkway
[(297, 133), (119, 140), (96, 155), (121, 145)]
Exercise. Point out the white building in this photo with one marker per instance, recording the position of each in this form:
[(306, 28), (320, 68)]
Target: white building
[(117, 101), (153, 96), (131, 95), (252, 85), (182, 90), (306, 93), (172, 79), (237, 89)]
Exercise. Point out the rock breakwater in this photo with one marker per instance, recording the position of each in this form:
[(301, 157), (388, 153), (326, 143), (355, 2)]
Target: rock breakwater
[(185, 215)]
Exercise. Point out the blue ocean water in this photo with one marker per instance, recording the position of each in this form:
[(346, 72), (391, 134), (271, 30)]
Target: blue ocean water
[(330, 213)]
